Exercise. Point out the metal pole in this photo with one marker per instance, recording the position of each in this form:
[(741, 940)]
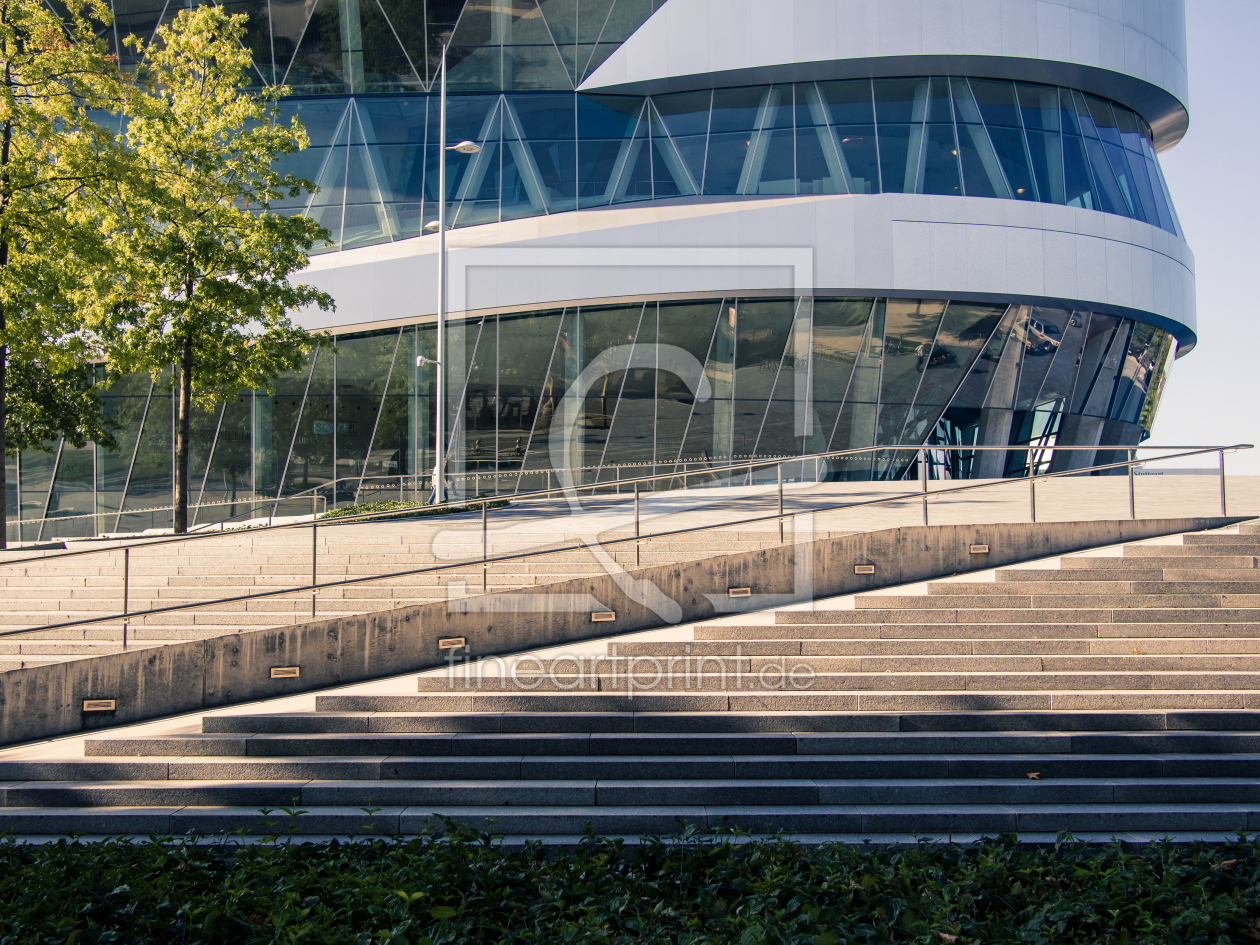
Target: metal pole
[(1032, 488), (485, 546), (923, 482), (439, 426), (1132, 500), (1221, 454), (314, 564), (780, 471), (126, 588), (636, 524)]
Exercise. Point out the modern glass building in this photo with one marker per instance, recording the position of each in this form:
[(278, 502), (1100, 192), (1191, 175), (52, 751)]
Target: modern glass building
[(754, 229)]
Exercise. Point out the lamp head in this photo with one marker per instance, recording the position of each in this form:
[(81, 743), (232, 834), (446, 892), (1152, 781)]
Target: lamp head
[(466, 147), (432, 226)]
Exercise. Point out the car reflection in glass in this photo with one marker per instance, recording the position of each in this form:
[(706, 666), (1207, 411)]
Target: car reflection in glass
[(1043, 337)]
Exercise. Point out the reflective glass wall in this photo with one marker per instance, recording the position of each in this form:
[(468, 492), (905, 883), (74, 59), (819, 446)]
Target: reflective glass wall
[(783, 377), (375, 158)]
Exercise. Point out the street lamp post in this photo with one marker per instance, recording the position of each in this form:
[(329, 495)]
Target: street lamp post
[(439, 226)]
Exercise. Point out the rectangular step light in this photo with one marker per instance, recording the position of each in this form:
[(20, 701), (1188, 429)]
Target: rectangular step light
[(286, 672), (99, 705), (603, 616), (452, 643), (979, 549), (739, 592), (864, 569)]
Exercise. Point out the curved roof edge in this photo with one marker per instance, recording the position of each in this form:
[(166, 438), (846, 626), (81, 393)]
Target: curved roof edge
[(1134, 53)]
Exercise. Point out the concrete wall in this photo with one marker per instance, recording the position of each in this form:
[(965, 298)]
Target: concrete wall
[(45, 701)]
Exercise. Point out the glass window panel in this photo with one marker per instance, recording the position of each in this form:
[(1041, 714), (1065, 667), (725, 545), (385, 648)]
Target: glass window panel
[(763, 329), (318, 66), (1155, 384), (1077, 184), (11, 510), (1143, 189), (709, 430), (1110, 197), (534, 67), (393, 45), (964, 330), (151, 485), (1046, 330), (727, 161), (899, 101), (1061, 376), (818, 167), (1009, 144), (911, 329), (1102, 392), (1103, 118), (636, 177), (670, 176), (982, 175), (1128, 186), (1136, 370), (855, 427), (940, 162), (1166, 219), (1131, 132), (1002, 390), (632, 439), (965, 110), (860, 155), (1039, 105), (1082, 114), (1163, 184), (1067, 113), (738, 109), (839, 326), (1097, 339), (479, 419), (549, 393), (312, 461), (940, 109), (689, 326), (996, 101), (228, 479), (685, 113), (606, 126), (899, 148), (71, 495), (974, 390), (784, 428), (477, 190), (849, 101), (1046, 151), (124, 400), (35, 474), (530, 340), (363, 369), (773, 168), (523, 193)]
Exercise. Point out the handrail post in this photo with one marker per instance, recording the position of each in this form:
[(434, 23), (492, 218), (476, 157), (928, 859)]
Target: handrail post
[(636, 523), (923, 482), (485, 546), (1132, 499), (126, 589), (314, 564), (1221, 454), (779, 468), (1032, 487)]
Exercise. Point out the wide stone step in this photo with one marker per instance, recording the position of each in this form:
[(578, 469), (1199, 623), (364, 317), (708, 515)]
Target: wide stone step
[(1161, 561), (1031, 615), (1054, 601), (645, 747), (891, 700), (1156, 587), (987, 631), (289, 723), (1118, 646), (839, 821), (1149, 575)]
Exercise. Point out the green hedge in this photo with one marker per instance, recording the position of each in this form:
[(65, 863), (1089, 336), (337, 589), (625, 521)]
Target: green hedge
[(696, 889)]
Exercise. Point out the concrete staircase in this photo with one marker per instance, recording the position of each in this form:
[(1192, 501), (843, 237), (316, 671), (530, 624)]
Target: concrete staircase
[(51, 591), (1110, 694)]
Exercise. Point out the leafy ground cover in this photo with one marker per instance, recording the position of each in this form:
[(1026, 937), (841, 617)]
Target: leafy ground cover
[(407, 509), (464, 888)]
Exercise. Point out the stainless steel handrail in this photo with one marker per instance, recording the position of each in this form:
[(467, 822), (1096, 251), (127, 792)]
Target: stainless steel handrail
[(595, 486), (486, 561)]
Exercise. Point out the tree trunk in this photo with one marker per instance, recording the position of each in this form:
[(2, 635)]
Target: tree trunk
[(181, 436)]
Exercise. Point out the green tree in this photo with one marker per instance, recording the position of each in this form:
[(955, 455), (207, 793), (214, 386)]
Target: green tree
[(206, 284), (54, 164)]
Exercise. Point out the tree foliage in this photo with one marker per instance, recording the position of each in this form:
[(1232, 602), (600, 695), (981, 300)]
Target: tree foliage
[(204, 264)]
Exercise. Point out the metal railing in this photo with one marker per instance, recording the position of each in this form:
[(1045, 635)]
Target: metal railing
[(781, 516)]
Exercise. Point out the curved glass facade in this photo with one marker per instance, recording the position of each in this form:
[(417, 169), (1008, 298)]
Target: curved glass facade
[(785, 376), (375, 158)]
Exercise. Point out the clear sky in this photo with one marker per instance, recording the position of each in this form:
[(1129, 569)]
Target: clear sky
[(1214, 176)]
